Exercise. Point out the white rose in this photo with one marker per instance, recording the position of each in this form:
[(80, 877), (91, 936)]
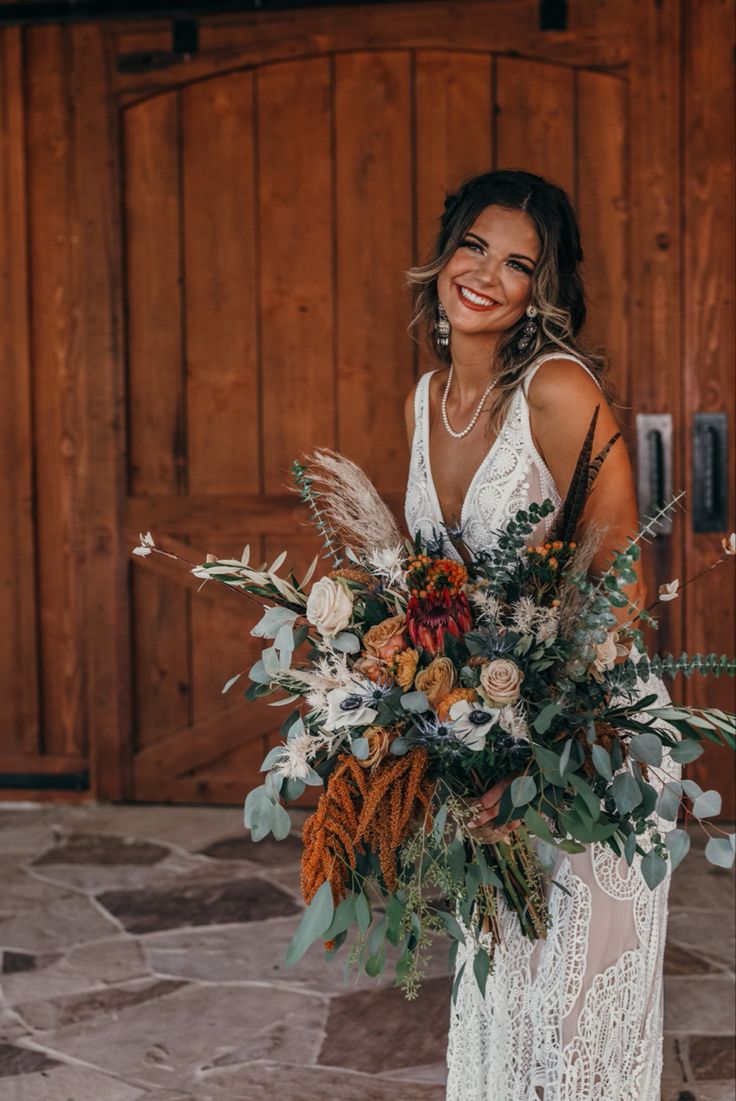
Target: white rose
[(329, 607)]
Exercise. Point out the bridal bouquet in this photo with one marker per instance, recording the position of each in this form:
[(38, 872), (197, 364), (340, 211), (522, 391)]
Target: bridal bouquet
[(418, 682)]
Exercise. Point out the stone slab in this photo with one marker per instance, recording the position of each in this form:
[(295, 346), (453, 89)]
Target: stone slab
[(67, 921), (393, 1032), (716, 1091), (269, 852), (703, 1004), (102, 849), (97, 877), (22, 890), (16, 1061), (216, 900), (713, 1057), (69, 1083), (188, 827), (56, 1013), (266, 1081), (168, 1041), (706, 931), (695, 878), (685, 961), (256, 953)]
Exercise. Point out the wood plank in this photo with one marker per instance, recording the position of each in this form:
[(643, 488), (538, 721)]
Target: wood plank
[(602, 209), (156, 397), (655, 253), (55, 235), (19, 673), (220, 286), (199, 742), (295, 263), (373, 134), (242, 517), (709, 351), (448, 86), (49, 764), (535, 119), (601, 36), (102, 463)]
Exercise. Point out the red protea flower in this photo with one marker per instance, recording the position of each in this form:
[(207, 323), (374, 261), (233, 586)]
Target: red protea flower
[(437, 603), (429, 617)]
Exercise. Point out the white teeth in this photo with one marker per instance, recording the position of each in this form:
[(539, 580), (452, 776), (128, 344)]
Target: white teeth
[(478, 299)]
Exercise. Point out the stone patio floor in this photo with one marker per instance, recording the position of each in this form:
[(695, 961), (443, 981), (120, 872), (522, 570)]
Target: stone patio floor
[(142, 957)]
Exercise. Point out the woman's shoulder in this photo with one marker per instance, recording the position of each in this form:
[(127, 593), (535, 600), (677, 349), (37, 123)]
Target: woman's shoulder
[(421, 387), (557, 379)]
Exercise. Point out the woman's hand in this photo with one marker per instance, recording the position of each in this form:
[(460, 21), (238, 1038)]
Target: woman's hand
[(488, 810)]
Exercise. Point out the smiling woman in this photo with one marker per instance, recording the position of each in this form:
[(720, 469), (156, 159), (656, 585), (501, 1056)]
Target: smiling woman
[(578, 1014)]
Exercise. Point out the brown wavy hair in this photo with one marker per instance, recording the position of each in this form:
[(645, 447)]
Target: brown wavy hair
[(557, 288)]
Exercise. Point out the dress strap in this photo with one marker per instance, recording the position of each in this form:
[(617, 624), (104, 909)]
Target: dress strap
[(526, 381), (421, 398)]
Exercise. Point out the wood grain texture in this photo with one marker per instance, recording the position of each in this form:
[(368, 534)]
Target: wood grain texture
[(59, 420), (296, 263), (655, 256), (709, 345), (453, 136), (535, 119), (220, 297), (600, 36), (373, 134), (19, 672), (602, 210)]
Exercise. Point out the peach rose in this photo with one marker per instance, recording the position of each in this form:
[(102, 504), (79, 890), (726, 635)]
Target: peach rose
[(500, 682), (386, 638), (373, 668), (436, 680)]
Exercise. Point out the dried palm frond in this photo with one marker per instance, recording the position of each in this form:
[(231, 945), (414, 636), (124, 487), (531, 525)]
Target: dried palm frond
[(351, 503)]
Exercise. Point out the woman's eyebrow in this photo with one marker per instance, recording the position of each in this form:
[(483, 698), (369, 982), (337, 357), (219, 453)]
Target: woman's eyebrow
[(516, 255)]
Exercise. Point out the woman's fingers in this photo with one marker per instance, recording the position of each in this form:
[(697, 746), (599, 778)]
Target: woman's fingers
[(492, 797)]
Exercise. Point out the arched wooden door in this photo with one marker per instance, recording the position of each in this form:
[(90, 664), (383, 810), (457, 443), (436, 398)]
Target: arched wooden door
[(274, 189)]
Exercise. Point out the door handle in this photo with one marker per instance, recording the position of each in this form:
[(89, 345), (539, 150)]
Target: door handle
[(654, 466), (710, 472)]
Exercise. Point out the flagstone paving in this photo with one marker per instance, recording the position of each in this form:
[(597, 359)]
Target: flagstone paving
[(143, 958)]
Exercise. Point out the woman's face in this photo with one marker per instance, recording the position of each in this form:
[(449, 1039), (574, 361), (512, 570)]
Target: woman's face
[(487, 284)]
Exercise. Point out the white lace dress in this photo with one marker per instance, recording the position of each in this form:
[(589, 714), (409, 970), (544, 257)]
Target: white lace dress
[(577, 1016)]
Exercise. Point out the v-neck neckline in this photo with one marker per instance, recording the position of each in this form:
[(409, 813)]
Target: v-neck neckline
[(428, 463)]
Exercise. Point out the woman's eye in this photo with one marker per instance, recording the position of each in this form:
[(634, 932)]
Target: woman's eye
[(471, 244), (520, 267)]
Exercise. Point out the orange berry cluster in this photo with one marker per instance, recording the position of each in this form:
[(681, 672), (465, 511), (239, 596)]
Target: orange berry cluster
[(425, 575), (551, 553)]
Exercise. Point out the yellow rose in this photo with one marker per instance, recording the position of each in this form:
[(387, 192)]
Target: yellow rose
[(500, 682), (436, 680), (405, 666), (386, 638)]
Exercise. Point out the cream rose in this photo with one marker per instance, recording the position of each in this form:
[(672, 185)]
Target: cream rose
[(606, 653), (437, 680), (329, 607), (386, 638), (500, 682)]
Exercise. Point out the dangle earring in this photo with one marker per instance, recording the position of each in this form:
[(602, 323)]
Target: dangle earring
[(530, 328), (442, 327)]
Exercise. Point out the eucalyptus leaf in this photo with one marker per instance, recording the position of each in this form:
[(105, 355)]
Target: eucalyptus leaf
[(565, 756), (678, 845), (523, 790), (272, 620), (602, 761), (686, 751), (707, 805), (415, 702), (626, 793), (481, 969), (668, 803), (691, 788), (272, 757), (315, 922), (440, 821), (362, 912), (280, 822), (647, 748), (653, 869), (537, 825), (292, 789), (360, 748), (720, 851), (452, 926), (346, 642), (544, 719), (630, 848), (343, 919)]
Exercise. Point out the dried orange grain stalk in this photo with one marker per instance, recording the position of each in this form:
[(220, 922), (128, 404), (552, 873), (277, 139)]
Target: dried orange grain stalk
[(357, 809)]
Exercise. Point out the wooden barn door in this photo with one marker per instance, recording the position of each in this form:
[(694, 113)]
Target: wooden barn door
[(275, 187)]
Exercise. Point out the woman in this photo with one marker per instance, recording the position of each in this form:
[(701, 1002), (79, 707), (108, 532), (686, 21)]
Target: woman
[(578, 1016)]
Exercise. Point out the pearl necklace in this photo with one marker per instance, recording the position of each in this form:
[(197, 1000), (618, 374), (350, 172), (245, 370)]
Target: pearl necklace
[(476, 414)]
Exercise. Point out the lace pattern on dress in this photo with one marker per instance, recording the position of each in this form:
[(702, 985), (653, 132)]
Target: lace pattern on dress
[(577, 1016)]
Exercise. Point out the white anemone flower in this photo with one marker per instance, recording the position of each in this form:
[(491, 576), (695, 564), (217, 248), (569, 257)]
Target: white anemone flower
[(349, 706), (470, 723)]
